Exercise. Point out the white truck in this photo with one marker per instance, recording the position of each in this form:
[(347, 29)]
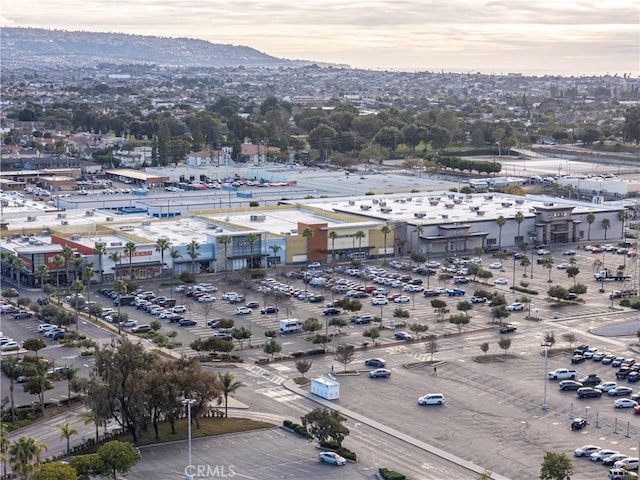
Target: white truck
[(290, 325), (563, 374), (607, 274)]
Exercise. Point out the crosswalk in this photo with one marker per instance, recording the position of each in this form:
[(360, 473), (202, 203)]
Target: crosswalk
[(278, 394), (259, 371)]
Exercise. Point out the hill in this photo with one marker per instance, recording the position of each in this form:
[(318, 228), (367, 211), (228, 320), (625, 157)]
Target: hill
[(23, 46)]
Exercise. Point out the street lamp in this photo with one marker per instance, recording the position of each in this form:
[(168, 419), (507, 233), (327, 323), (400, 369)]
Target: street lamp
[(188, 402), (546, 345)]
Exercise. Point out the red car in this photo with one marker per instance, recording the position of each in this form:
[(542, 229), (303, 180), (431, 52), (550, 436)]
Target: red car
[(394, 296), (636, 409)]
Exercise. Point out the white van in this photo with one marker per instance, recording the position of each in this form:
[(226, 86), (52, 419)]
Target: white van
[(431, 399), (318, 281), (290, 325)]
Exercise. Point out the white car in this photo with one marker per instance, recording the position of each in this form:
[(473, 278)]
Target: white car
[(601, 454), (314, 265), (179, 309), (586, 450), (206, 298), (431, 399), (495, 266), (514, 307), (379, 301), (606, 386), (500, 281), (43, 327), (589, 353), (629, 463), (12, 345), (562, 266), (243, 311), (625, 403), (229, 295), (401, 299), (543, 251), (333, 458), (129, 323)]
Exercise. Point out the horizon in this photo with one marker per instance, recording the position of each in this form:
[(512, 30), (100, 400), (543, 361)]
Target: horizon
[(531, 37)]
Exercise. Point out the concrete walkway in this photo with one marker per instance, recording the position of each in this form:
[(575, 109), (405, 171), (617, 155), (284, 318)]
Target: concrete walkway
[(291, 386)]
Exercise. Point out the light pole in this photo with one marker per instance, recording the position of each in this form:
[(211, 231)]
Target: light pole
[(188, 402), (546, 345)]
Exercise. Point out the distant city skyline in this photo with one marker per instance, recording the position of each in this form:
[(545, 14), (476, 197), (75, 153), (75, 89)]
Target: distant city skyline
[(533, 37)]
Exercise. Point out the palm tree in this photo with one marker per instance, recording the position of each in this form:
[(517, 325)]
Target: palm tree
[(76, 288), (162, 244), (275, 249), (58, 262), (67, 254), (175, 255), (501, 221), (360, 235), (333, 235), (11, 368), (192, 251), (623, 216), (129, 248), (4, 449), (120, 286), (42, 272), (65, 432), (419, 230), (69, 374), (77, 267), (229, 386), (18, 265), (225, 240), (100, 249), (519, 218), (251, 240), (24, 451), (89, 417), (605, 225), (116, 258), (87, 274), (307, 233), (385, 231), (590, 219), (401, 243)]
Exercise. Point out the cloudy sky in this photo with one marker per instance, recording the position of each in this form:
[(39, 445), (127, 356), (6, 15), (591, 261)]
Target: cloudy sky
[(568, 37)]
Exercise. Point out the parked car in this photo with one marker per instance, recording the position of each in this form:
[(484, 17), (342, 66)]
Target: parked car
[(577, 359), (379, 372), (141, 329), (578, 423), (402, 336), (625, 403), (585, 450), (269, 309), (179, 309), (243, 311), (402, 299), (332, 457), (606, 386), (500, 281), (331, 311), (375, 362), (22, 314), (514, 307), (601, 454), (570, 385), (379, 301), (478, 299), (187, 322), (495, 266), (129, 323), (588, 392), (508, 328), (611, 459), (431, 399)]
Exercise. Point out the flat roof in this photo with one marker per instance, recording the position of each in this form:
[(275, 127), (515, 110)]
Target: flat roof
[(124, 172)]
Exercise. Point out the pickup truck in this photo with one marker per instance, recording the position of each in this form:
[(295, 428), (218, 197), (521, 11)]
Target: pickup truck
[(563, 374), (455, 292)]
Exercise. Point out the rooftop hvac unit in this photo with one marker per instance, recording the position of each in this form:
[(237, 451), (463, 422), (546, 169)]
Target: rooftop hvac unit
[(506, 204), (365, 207), (383, 204), (385, 210), (419, 214), (89, 213), (31, 219), (409, 199), (109, 219), (64, 222), (474, 208), (403, 200), (62, 215), (449, 205), (519, 201), (548, 204), (257, 218), (444, 216), (352, 202), (488, 197), (75, 237), (480, 213), (115, 244), (457, 201), (146, 223), (211, 226), (375, 201)]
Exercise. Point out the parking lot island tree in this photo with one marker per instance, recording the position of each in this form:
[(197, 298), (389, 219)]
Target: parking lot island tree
[(432, 346), (504, 344), (373, 333), (303, 366), (271, 347), (118, 457), (556, 466), (326, 426), (344, 354), (484, 346), (418, 328), (100, 249)]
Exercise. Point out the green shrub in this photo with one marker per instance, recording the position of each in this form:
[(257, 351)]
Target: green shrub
[(187, 277), (316, 351), (298, 354), (524, 290), (296, 427), (343, 451), (387, 474), (87, 353), (254, 203)]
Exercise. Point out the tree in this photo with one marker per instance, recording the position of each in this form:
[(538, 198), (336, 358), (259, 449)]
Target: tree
[(129, 249), (525, 263), (321, 340), (275, 249), (326, 426), (519, 218), (34, 345), (432, 346), (418, 328), (175, 255), (549, 338), (100, 250), (55, 471), (76, 289), (590, 219), (116, 258), (37, 383), (118, 457), (500, 312), (69, 374), (505, 344), (572, 272), (120, 287), (385, 231), (623, 216), (58, 262), (344, 354), (229, 386), (303, 365), (241, 334), (271, 347), (162, 245), (67, 254), (89, 465), (605, 224), (440, 306), (555, 466), (372, 333), (557, 292), (42, 273), (4, 448), (311, 325), (225, 240), (333, 236), (359, 235), (11, 368), (464, 306), (22, 453), (459, 321), (418, 230), (547, 262), (501, 222), (570, 338), (338, 323), (91, 418), (484, 347), (307, 233), (251, 240), (66, 432), (193, 250)]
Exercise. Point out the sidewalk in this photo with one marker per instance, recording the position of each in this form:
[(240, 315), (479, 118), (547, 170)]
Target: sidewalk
[(291, 386)]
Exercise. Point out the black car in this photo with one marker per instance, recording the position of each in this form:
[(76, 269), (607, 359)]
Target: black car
[(43, 301), (578, 423), (570, 385), (252, 305), (508, 329), (332, 311), (269, 309), (375, 362), (586, 392), (431, 293), (174, 317), (316, 299), (237, 299)]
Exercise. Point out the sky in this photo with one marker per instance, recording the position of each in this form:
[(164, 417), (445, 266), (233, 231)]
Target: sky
[(534, 37)]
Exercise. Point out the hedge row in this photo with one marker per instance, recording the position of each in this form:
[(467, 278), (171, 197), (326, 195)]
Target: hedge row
[(387, 474), (296, 427), (524, 290), (340, 450)]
